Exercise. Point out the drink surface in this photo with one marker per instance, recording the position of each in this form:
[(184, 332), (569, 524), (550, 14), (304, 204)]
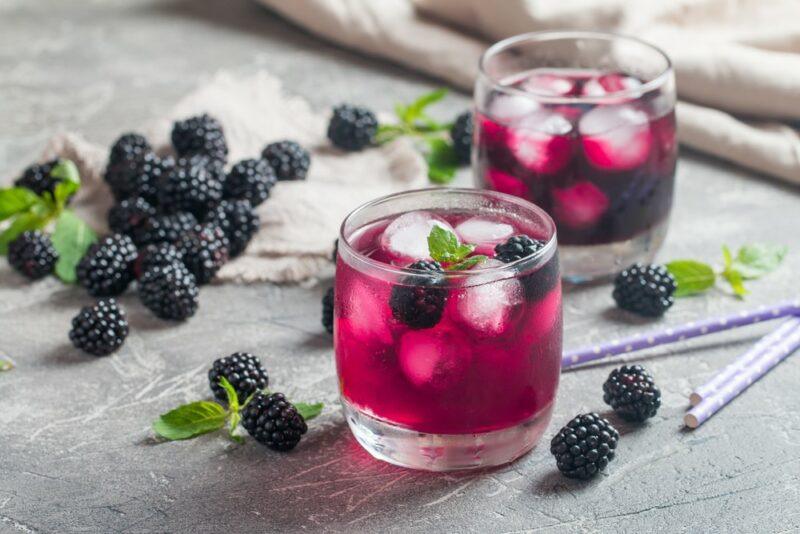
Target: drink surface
[(603, 171), (490, 360)]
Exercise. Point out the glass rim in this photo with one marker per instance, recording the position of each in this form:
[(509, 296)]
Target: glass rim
[(513, 267), (544, 36)]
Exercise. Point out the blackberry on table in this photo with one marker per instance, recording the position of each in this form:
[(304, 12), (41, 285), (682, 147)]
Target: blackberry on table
[(169, 291), (106, 268), (99, 329), (632, 393), (327, 311), (156, 255), (164, 228), (585, 446), (461, 134), (250, 179), (202, 134), (129, 146), (37, 178), (420, 303), (352, 127), (244, 372), (273, 421), (517, 247), (645, 290), (32, 254), (239, 222), (137, 176), (126, 216), (191, 186), (204, 250), (289, 161)]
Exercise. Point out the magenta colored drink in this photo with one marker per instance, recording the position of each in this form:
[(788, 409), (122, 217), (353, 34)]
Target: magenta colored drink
[(454, 355)]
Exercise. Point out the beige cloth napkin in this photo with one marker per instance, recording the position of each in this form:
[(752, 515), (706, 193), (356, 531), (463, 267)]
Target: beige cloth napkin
[(301, 219), (737, 62)]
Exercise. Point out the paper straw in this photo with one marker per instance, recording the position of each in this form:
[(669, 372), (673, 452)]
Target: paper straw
[(678, 333), (758, 368), (765, 343)]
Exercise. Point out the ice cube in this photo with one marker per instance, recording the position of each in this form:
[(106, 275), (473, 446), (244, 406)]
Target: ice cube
[(549, 84), (406, 238), (436, 358), (609, 83), (483, 233), (487, 307), (366, 314), (541, 141), (505, 183), (616, 137), (580, 205), (512, 108)]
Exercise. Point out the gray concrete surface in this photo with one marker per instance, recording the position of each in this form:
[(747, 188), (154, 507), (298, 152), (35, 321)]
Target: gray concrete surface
[(76, 453)]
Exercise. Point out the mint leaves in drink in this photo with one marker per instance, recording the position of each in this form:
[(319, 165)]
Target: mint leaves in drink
[(749, 263), (444, 247)]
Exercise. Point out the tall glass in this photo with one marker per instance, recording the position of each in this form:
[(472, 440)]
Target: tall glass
[(455, 369), (583, 125)]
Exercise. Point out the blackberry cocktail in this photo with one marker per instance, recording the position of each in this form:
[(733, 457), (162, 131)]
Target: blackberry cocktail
[(583, 125), (447, 327)]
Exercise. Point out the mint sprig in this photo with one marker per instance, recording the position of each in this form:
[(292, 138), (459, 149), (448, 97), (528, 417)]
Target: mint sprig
[(749, 263), (444, 247)]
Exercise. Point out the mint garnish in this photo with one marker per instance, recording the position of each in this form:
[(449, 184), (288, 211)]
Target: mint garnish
[(71, 239), (309, 411), (444, 247), (749, 263)]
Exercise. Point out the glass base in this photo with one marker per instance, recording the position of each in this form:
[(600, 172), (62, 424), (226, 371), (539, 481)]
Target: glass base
[(444, 452), (582, 264)]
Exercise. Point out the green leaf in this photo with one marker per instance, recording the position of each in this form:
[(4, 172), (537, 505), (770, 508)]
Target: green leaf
[(308, 411), (388, 132), (63, 192), (735, 279), (22, 223), (71, 239), (410, 113), (15, 200), (754, 261), (691, 276), (467, 263), (190, 420), (66, 171), (233, 407), (6, 365), (444, 247), (442, 161)]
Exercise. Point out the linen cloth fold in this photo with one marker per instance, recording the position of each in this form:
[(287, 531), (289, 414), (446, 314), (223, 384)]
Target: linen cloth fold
[(737, 62)]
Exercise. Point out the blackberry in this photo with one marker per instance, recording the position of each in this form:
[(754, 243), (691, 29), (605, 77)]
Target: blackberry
[(327, 311), (352, 127), (137, 176), (37, 178), (243, 370), (250, 179), (105, 269), (99, 329), (517, 247), (169, 291), (129, 146), (128, 215), (273, 421), (632, 393), (205, 251), (645, 290), (239, 222), (289, 161), (156, 255), (420, 303), (461, 134), (32, 254), (191, 186), (585, 446), (201, 134), (164, 228)]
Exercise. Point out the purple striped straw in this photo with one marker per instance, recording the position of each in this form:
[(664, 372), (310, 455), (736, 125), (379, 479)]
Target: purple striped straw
[(758, 368), (678, 333), (764, 344)]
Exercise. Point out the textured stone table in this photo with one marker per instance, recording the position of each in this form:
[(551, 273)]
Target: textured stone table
[(76, 453)]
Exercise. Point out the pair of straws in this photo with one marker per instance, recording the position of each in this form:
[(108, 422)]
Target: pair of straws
[(726, 385)]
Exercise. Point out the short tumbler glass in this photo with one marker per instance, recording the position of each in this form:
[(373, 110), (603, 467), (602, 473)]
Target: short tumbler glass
[(583, 125), (446, 370)]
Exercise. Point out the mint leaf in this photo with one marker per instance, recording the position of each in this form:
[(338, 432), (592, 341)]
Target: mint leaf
[(22, 223), (6, 364), (414, 111), (233, 407), (756, 260), (15, 200), (444, 247), (71, 239), (308, 411), (388, 132), (691, 276), (468, 263), (190, 420), (66, 171), (735, 279), (442, 161)]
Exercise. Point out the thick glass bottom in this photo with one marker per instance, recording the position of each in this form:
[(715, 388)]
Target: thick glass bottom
[(586, 263), (444, 452)]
